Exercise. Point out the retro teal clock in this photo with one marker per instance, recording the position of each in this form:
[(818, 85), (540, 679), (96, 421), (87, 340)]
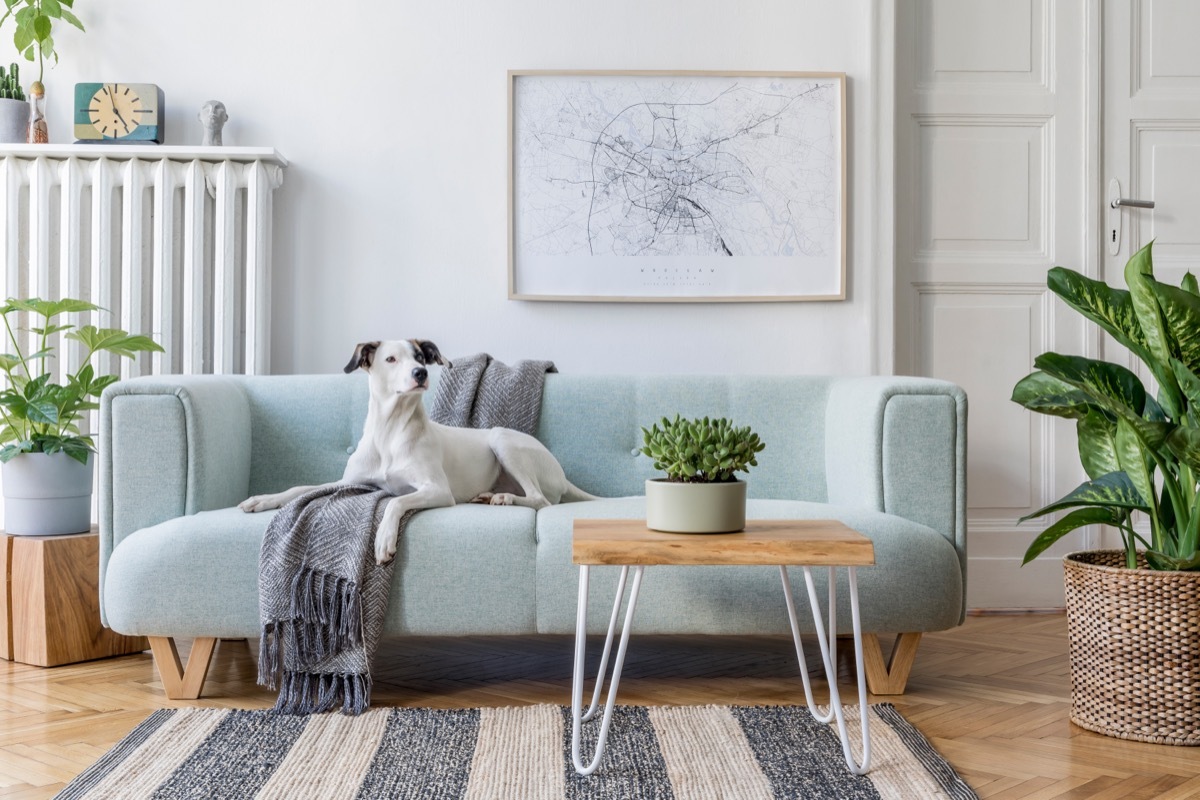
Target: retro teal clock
[(118, 112)]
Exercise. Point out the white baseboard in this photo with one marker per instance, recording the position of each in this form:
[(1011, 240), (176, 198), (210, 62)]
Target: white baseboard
[(1004, 583)]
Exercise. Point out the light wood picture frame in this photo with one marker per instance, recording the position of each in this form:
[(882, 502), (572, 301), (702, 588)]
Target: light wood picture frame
[(669, 187)]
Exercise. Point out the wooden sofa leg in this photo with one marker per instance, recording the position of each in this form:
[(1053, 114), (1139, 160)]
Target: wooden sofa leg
[(891, 676), (180, 683)]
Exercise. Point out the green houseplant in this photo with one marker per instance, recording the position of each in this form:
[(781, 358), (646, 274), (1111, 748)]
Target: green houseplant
[(33, 35), (47, 472), (1133, 614), (701, 493), (1140, 453)]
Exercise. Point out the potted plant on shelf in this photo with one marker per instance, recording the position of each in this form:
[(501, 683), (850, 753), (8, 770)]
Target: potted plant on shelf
[(14, 110), (1133, 614), (700, 493), (47, 472), (33, 36), (34, 32)]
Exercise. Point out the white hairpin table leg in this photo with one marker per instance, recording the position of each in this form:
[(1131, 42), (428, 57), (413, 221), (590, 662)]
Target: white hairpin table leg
[(828, 646), (577, 715)]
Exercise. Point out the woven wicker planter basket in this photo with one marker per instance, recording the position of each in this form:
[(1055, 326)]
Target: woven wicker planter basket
[(1135, 649)]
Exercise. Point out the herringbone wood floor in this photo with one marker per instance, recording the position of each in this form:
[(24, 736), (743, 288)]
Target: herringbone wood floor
[(992, 696)]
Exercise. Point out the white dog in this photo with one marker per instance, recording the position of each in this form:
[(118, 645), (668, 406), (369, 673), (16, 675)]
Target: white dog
[(402, 449)]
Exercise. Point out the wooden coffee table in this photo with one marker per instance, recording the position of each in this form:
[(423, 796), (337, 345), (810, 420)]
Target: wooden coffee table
[(783, 543)]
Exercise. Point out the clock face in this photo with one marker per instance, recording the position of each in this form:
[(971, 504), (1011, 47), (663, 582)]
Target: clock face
[(118, 113), (116, 110)]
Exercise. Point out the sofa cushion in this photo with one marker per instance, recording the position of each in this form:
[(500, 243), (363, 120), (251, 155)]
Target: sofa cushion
[(915, 585), (593, 425), (462, 570)]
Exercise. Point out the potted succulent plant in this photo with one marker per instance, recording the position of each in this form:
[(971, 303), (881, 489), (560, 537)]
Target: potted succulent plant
[(700, 493), (1133, 614), (14, 109), (47, 474)]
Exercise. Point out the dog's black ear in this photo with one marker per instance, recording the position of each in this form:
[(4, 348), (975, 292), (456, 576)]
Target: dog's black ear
[(431, 353), (364, 353)]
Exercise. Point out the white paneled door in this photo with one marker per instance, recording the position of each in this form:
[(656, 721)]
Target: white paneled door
[(992, 191), (1151, 142), (1018, 122)]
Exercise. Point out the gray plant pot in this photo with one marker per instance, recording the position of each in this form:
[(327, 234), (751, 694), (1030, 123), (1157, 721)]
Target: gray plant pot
[(47, 495), (14, 121), (695, 507)]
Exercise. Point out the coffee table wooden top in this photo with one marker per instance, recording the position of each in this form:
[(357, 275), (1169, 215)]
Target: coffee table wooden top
[(808, 542)]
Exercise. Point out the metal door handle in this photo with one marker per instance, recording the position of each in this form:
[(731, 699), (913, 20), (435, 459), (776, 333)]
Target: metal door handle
[(1127, 203)]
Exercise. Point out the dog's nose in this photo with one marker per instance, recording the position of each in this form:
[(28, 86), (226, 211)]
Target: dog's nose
[(420, 374)]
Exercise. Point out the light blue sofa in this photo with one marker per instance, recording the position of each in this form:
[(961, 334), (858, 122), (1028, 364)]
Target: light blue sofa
[(177, 559)]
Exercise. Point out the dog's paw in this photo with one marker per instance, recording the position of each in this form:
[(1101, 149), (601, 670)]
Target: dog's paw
[(502, 499), (385, 547), (260, 502), (483, 498)]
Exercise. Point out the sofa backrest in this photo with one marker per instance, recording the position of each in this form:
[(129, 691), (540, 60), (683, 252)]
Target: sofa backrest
[(592, 424)]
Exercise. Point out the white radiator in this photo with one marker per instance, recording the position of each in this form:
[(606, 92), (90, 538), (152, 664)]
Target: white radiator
[(172, 241)]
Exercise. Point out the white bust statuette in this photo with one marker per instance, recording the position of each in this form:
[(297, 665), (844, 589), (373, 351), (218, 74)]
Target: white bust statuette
[(212, 118)]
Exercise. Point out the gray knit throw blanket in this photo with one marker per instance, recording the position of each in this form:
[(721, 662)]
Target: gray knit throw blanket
[(323, 599), (480, 392)]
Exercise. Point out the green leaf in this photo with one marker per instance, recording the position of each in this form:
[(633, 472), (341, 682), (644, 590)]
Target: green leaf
[(1181, 313), (1111, 309), (1159, 560), (1189, 284), (34, 386), (1114, 490), (50, 330), (1184, 443), (72, 19), (1073, 521), (50, 308), (51, 8), (1139, 277), (42, 412), (42, 26), (1048, 395), (1189, 384), (114, 340), (11, 451), (1096, 433), (23, 36), (1132, 458), (1111, 387)]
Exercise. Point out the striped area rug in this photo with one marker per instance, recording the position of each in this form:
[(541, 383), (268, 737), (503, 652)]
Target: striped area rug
[(522, 753)]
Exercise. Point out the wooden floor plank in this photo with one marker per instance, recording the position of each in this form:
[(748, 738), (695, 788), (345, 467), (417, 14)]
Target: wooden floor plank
[(993, 696)]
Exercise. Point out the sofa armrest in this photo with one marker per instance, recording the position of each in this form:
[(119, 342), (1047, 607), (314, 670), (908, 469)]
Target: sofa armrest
[(169, 446), (899, 445)]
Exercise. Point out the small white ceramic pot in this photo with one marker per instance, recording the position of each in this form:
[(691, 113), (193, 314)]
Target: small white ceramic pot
[(695, 507)]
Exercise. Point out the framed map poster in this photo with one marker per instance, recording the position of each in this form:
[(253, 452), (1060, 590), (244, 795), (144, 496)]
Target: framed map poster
[(677, 186)]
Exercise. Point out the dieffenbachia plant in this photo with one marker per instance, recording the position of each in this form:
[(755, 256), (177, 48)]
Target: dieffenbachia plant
[(1140, 453)]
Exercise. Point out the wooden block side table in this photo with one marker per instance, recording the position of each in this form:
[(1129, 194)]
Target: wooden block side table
[(50, 609), (780, 543)]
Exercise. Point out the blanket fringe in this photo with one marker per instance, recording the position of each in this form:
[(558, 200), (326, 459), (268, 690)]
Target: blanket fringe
[(308, 693)]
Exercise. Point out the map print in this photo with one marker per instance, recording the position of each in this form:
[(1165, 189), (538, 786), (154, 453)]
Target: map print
[(677, 179)]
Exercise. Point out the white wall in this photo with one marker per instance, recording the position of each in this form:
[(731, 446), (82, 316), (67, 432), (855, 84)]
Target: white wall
[(392, 218)]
